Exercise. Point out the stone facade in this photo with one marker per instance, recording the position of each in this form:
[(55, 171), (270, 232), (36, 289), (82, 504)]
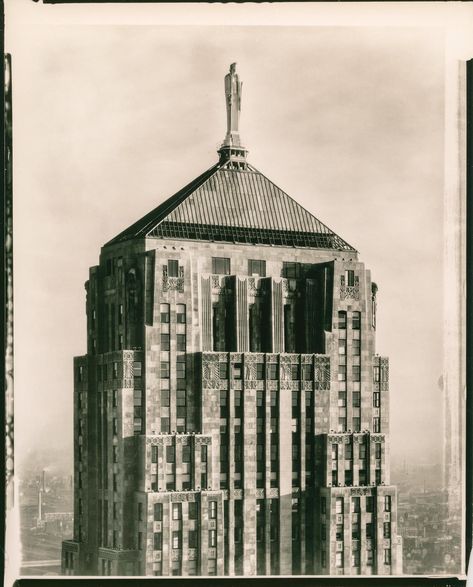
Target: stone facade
[(259, 393), (231, 415)]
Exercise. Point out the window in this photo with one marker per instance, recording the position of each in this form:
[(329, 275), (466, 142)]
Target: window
[(271, 371), (164, 370), (176, 539), (307, 372), (259, 371), (114, 454), (294, 372), (355, 558), (348, 451), (356, 399), (115, 426), (356, 372), (114, 398), (369, 504), (164, 312), (237, 371), (342, 399), (369, 530), (339, 505), (387, 503), (223, 370), (173, 268), (377, 450), (170, 454), (256, 267), (355, 530), (158, 541), (165, 342), (362, 451), (356, 424), (376, 425), (158, 512), (376, 399), (356, 320), (342, 373), (176, 511), (376, 373), (192, 538), (356, 347), (387, 530), (387, 556), (339, 560), (181, 313), (220, 266), (323, 559), (342, 320), (186, 454), (180, 342), (355, 505), (203, 453), (165, 425), (165, 398), (140, 540), (181, 368), (212, 538), (192, 510), (342, 346), (369, 558), (212, 510), (290, 270), (349, 277), (137, 369)]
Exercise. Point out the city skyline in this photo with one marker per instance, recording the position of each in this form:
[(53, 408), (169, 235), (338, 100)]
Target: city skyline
[(356, 126)]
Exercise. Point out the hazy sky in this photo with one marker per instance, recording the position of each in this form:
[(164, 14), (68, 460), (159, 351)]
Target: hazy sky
[(110, 121)]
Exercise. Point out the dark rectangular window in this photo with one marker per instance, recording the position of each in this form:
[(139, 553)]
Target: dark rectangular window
[(186, 454), (165, 425), (376, 425), (203, 453), (355, 505), (181, 368), (223, 370), (387, 530), (356, 347), (193, 510), (376, 399), (259, 371), (176, 539), (170, 454), (377, 450), (356, 424), (369, 504), (339, 532), (349, 277), (181, 342), (294, 372), (220, 265), (173, 268), (164, 370), (307, 372), (272, 371), (212, 538), (356, 372), (158, 541), (387, 503), (356, 320), (387, 556), (192, 538), (342, 320), (165, 342), (237, 371), (158, 512), (181, 313), (165, 398), (164, 313), (176, 511), (257, 267), (356, 399)]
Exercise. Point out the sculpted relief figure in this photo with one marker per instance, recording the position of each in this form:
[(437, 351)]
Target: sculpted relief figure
[(233, 100)]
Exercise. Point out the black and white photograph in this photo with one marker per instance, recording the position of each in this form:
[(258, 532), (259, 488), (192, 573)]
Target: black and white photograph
[(238, 289)]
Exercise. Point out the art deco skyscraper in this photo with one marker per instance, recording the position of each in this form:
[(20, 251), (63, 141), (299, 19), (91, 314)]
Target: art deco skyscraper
[(231, 414)]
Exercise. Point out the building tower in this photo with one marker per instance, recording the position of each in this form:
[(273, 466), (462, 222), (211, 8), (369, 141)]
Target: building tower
[(231, 414)]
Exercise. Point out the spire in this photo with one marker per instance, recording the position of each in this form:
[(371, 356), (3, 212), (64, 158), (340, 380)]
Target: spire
[(231, 148)]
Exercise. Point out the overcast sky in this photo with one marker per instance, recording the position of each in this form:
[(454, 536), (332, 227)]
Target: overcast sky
[(110, 121)]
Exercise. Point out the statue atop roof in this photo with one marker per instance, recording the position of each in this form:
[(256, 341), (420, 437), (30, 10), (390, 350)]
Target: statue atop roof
[(233, 101)]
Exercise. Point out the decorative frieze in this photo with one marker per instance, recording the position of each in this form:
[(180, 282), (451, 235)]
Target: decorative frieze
[(350, 292)]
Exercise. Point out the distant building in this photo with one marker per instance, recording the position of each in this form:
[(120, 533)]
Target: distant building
[(231, 413)]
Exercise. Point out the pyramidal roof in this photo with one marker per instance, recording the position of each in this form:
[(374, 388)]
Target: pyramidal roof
[(234, 202)]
